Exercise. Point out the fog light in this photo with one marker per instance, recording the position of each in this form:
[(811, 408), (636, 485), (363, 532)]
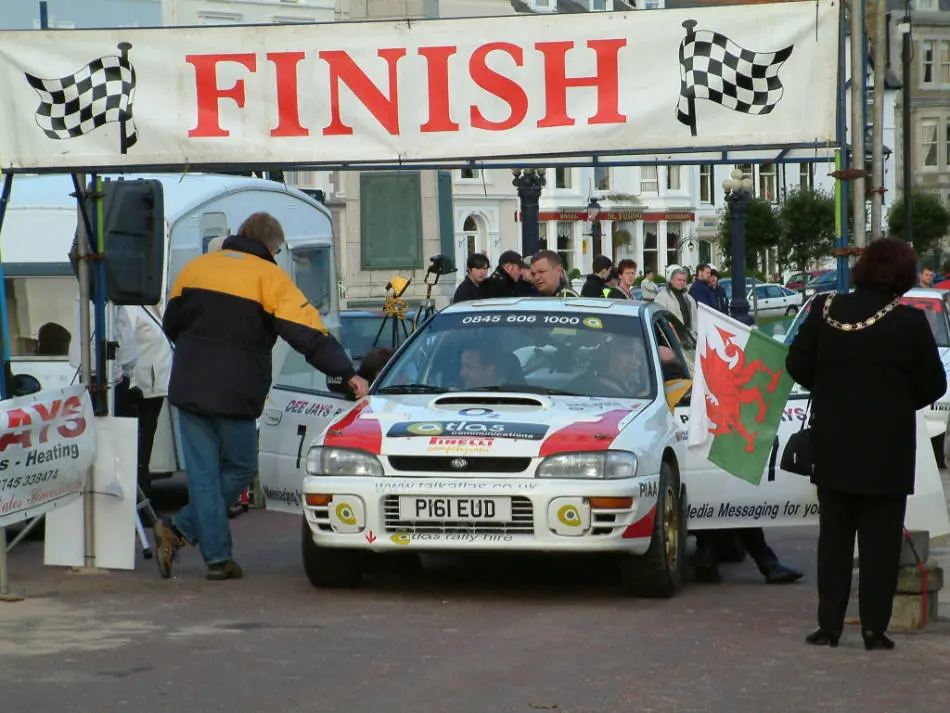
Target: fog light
[(569, 517), (347, 514)]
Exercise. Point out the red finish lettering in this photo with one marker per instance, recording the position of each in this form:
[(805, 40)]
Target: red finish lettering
[(208, 93), (12, 438), (344, 69), (48, 414), (499, 85), (288, 109), (74, 426), (437, 60), (606, 81)]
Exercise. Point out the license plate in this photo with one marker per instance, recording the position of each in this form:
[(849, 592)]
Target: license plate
[(423, 509)]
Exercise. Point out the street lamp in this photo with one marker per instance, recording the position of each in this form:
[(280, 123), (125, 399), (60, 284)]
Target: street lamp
[(738, 190), (529, 182), (593, 211)]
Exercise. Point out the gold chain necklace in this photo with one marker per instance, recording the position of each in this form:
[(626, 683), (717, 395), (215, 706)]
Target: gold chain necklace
[(863, 324)]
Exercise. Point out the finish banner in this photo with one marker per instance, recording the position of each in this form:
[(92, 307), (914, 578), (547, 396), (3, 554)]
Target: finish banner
[(47, 445), (760, 76)]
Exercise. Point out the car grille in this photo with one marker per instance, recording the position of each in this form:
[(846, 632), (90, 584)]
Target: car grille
[(443, 464), (522, 521)]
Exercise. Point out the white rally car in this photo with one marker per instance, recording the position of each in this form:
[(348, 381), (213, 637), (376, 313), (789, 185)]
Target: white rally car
[(528, 424)]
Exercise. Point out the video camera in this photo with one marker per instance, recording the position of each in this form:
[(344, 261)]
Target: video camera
[(441, 265)]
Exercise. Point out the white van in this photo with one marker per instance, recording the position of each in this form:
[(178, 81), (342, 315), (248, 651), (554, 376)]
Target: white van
[(41, 289)]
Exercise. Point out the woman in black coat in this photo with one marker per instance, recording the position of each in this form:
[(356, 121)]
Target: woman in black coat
[(870, 364)]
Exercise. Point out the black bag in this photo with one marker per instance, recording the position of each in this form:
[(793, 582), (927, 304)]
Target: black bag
[(798, 456)]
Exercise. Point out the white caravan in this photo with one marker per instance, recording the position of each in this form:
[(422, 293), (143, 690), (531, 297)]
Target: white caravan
[(38, 232)]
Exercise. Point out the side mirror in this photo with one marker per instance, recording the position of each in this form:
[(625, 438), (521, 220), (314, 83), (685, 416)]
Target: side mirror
[(23, 385)]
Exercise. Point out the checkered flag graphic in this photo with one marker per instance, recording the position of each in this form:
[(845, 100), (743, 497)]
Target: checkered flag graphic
[(100, 93), (714, 67)]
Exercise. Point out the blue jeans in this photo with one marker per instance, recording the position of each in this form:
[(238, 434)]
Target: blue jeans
[(221, 461)]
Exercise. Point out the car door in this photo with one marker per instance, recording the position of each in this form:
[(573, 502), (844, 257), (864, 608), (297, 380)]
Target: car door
[(299, 408), (761, 304)]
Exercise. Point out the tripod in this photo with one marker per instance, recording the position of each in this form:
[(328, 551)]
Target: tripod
[(394, 312), (427, 308)]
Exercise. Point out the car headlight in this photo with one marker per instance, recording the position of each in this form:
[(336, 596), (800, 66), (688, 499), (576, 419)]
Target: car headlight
[(602, 464), (342, 461), (809, 291)]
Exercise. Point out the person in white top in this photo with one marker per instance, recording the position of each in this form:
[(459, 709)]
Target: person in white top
[(141, 372)]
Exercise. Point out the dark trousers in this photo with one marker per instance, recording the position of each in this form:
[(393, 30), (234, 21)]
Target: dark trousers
[(752, 538), (878, 521), (130, 404)]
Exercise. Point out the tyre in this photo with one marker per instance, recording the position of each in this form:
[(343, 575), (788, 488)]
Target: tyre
[(659, 572), (791, 311), (332, 568)]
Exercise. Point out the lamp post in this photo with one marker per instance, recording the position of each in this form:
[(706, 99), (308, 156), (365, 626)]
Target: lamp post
[(738, 192), (593, 211), (529, 182), (904, 28)]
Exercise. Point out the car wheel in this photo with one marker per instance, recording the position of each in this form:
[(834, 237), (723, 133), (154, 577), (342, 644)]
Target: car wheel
[(327, 567), (659, 572), (791, 311)]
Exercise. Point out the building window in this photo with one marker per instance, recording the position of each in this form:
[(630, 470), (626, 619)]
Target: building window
[(928, 143), (674, 231), (565, 243), (673, 178), (927, 5), (806, 178), (767, 181), (649, 183), (601, 178), (649, 248), (927, 62), (598, 5), (543, 236), (706, 184), (947, 146), (469, 174), (562, 177)]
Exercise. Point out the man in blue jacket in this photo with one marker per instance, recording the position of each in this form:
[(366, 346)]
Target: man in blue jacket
[(700, 289)]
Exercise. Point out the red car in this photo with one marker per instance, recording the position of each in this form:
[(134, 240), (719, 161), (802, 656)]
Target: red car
[(797, 280)]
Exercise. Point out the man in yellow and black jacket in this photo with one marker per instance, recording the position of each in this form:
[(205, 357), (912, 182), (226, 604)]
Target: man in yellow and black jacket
[(226, 310)]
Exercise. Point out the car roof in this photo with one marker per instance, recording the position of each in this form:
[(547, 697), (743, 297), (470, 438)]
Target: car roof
[(633, 308)]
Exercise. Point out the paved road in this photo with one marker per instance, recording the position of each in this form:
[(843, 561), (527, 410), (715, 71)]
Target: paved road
[(467, 637)]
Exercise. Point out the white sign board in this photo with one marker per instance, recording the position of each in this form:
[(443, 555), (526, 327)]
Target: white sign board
[(421, 91), (47, 444)]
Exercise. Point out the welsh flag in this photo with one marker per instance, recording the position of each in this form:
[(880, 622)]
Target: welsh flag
[(740, 389)]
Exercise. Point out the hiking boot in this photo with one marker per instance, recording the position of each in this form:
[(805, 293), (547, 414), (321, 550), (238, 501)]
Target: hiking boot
[(229, 569), (169, 542)]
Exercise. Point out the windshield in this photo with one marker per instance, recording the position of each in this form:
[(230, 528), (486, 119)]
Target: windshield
[(822, 279), (311, 272), (553, 352), (934, 307)]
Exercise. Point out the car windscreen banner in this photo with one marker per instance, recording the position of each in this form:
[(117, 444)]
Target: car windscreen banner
[(695, 80), (47, 446), (567, 323)]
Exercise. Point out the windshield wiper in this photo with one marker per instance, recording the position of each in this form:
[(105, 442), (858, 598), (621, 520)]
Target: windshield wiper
[(411, 389), (526, 388)]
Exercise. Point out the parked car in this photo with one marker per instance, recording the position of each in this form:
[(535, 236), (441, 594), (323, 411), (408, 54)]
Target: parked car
[(825, 282), (360, 331), (770, 299), (798, 280)]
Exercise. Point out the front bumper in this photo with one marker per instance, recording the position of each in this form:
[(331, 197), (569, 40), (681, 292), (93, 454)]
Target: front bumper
[(533, 514)]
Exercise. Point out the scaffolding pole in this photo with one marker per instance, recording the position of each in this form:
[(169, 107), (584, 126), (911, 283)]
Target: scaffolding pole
[(877, 121), (858, 50)]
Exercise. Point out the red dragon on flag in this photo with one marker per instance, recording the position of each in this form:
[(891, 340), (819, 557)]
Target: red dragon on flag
[(727, 383)]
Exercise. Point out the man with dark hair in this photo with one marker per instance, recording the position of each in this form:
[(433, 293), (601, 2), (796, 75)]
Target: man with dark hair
[(700, 290), (373, 363), (722, 299), (505, 281), (224, 315), (597, 280), (611, 286), (549, 277), (627, 269), (471, 288)]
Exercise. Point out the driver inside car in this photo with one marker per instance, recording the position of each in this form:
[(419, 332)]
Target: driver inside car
[(485, 367)]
